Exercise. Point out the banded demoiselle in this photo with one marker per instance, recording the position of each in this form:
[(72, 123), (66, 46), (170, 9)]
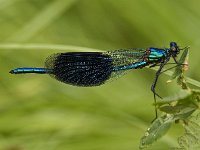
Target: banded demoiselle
[(95, 68)]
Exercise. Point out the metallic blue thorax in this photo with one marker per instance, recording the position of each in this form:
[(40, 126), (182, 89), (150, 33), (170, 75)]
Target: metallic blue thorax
[(156, 54)]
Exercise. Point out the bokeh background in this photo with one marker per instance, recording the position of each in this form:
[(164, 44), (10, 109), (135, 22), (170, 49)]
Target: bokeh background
[(39, 113)]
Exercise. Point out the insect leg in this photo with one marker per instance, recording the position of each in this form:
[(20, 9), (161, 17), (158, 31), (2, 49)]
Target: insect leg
[(165, 64), (156, 79), (172, 68), (155, 82), (153, 65), (175, 60)]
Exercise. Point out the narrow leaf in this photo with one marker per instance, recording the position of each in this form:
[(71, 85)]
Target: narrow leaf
[(157, 129)]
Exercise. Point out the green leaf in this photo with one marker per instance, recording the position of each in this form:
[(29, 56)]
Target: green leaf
[(190, 140), (179, 111), (157, 129), (181, 105), (177, 107), (181, 95), (196, 92)]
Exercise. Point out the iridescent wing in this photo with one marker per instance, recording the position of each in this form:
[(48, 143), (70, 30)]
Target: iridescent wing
[(90, 68), (124, 57)]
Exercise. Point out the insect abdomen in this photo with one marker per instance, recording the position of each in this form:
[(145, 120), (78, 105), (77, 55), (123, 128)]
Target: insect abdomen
[(30, 70), (136, 65)]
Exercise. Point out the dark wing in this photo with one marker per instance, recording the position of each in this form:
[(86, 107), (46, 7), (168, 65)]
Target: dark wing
[(90, 68), (80, 68)]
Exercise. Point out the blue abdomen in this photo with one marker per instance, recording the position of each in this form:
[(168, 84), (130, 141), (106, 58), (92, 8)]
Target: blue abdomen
[(136, 65), (30, 70)]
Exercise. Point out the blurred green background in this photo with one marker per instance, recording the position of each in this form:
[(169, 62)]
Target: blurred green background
[(39, 113)]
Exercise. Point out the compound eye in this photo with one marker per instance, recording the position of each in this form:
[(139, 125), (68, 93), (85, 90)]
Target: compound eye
[(173, 44)]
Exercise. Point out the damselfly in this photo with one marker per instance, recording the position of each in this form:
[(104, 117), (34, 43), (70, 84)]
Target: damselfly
[(95, 68)]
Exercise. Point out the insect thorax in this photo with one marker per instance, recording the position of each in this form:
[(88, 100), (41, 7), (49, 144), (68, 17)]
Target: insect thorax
[(155, 54)]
